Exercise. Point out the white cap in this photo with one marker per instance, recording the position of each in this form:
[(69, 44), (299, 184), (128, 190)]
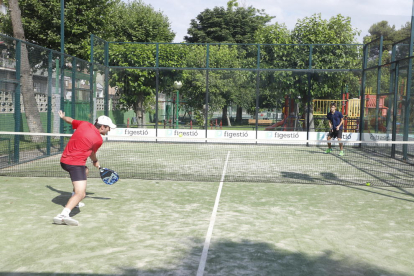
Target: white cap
[(106, 121)]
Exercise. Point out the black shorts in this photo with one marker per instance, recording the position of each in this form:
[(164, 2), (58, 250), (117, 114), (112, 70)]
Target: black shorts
[(333, 133), (77, 173)]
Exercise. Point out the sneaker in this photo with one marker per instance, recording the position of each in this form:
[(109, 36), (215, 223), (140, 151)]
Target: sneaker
[(341, 153), (70, 221), (80, 205), (328, 151), (59, 219)]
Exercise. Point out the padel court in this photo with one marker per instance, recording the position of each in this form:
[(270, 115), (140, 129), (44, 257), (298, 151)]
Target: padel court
[(154, 227)]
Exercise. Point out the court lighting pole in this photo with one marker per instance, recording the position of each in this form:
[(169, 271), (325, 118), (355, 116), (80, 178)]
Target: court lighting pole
[(177, 85)]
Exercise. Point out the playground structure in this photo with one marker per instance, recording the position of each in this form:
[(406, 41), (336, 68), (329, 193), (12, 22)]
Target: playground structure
[(351, 110), (291, 120), (377, 111)]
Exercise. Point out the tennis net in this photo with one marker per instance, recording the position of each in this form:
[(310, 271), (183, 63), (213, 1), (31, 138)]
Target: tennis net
[(379, 163)]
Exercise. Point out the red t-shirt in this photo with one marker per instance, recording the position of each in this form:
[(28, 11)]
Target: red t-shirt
[(84, 140)]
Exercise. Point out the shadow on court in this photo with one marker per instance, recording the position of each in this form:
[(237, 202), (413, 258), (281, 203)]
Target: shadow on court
[(243, 258), (332, 179), (64, 196)]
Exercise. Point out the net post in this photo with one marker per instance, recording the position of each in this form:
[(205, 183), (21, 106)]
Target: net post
[(362, 107), (206, 102), (308, 103), (257, 89), (73, 100), (157, 84), (62, 96), (91, 84), (157, 87), (106, 96), (309, 94), (408, 91), (49, 100), (257, 100), (378, 84), (394, 119)]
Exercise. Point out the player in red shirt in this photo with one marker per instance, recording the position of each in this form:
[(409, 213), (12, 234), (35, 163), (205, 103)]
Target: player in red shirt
[(84, 143)]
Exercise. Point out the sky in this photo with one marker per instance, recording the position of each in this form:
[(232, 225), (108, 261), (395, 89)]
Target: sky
[(363, 13)]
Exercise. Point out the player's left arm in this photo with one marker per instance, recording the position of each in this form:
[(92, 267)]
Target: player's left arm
[(68, 120)]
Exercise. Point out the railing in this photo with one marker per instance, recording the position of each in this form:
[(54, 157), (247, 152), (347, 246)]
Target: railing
[(322, 107)]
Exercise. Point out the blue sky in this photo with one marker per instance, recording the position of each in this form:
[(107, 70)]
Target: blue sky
[(363, 13)]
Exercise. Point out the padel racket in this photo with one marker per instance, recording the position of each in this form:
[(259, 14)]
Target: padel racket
[(108, 176)]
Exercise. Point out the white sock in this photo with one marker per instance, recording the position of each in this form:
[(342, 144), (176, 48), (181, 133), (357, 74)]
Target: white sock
[(65, 212)]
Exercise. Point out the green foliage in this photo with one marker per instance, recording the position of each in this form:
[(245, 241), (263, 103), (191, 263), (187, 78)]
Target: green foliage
[(136, 21), (233, 24), (273, 34), (225, 86), (140, 23), (390, 36), (389, 33), (41, 23), (336, 30), (136, 87), (315, 30)]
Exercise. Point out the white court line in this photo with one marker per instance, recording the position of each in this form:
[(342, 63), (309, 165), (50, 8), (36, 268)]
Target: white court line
[(203, 259)]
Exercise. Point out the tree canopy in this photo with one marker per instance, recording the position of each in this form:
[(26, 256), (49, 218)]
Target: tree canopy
[(231, 24), (136, 21), (141, 23), (112, 20), (41, 23), (390, 33)]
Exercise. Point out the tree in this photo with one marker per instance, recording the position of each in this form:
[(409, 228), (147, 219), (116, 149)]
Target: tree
[(227, 25), (232, 24), (390, 33), (274, 54), (315, 30), (41, 23), (390, 36), (273, 34), (139, 22), (29, 100)]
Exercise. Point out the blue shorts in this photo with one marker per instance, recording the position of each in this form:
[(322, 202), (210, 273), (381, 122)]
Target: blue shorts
[(77, 173)]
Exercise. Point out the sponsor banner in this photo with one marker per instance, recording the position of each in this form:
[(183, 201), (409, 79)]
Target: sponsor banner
[(232, 134), (347, 136), (242, 134), (132, 132), (281, 135), (376, 137), (181, 133)]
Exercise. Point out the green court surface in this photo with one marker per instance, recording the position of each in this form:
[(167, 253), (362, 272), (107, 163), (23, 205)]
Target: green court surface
[(143, 227)]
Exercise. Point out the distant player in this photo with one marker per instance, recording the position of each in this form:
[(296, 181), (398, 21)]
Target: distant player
[(84, 143), (336, 123)]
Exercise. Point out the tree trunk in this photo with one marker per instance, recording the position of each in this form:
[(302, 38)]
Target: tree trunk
[(225, 118), (311, 121), (140, 111), (239, 115), (29, 101)]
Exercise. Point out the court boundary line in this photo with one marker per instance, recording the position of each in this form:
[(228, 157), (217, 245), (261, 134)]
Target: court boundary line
[(203, 258)]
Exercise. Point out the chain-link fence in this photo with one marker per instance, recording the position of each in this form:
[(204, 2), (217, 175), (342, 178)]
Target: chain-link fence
[(222, 86)]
